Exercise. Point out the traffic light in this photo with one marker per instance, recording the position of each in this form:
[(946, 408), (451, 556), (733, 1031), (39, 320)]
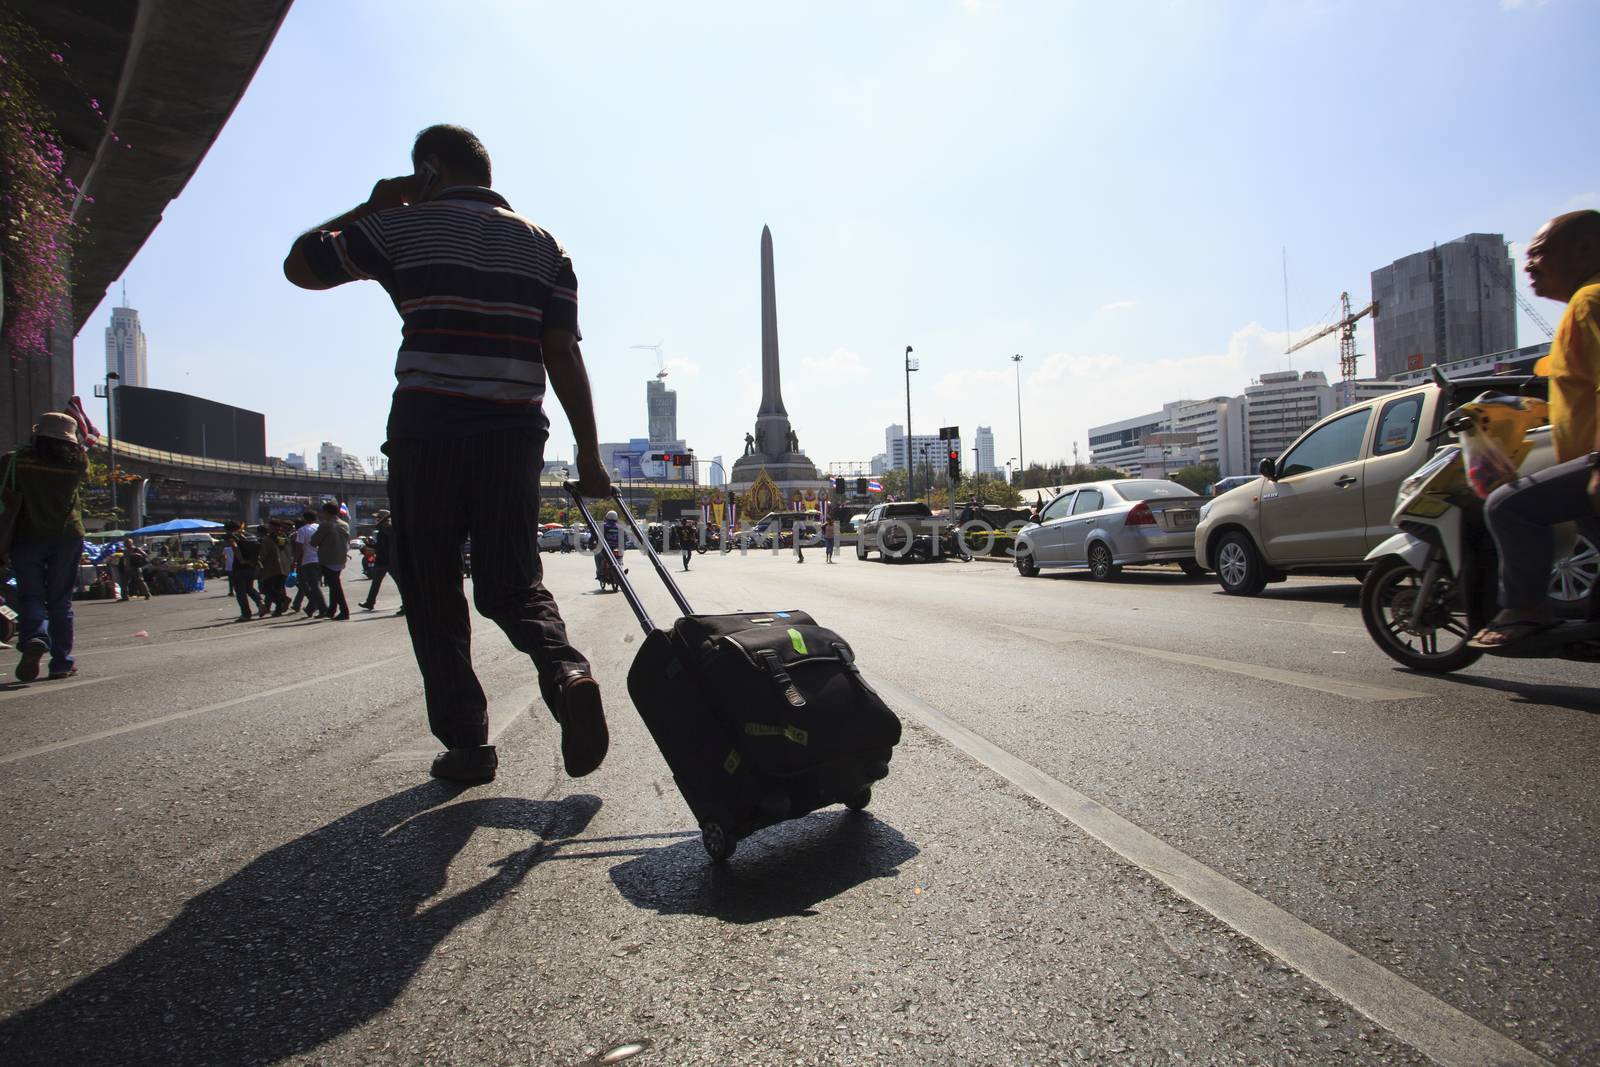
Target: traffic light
[(955, 464), (838, 486), (680, 461), (861, 487)]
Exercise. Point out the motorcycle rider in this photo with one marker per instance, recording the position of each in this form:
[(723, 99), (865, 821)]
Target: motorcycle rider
[(1563, 263), (611, 530)]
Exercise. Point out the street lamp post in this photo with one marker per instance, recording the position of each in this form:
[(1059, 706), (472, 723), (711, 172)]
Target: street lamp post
[(1017, 359), (1009, 464), (911, 464), (111, 440)]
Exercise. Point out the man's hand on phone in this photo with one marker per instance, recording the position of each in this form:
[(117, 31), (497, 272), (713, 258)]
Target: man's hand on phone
[(394, 192), (593, 481)]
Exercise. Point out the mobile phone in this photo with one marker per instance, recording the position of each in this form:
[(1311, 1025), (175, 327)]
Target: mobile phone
[(427, 178)]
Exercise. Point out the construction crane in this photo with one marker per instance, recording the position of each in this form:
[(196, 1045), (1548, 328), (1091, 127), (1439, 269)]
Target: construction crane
[(1527, 309), (1347, 336), (661, 362)]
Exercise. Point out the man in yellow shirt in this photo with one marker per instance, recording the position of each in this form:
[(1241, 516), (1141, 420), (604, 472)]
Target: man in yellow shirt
[(1563, 263)]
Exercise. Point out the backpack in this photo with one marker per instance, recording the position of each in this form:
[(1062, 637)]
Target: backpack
[(246, 551)]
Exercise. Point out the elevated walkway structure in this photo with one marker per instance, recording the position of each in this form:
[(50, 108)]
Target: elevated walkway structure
[(247, 480)]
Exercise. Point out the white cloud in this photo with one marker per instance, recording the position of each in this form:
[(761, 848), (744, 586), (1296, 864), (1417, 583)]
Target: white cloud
[(1118, 305), (840, 365), (1067, 392)]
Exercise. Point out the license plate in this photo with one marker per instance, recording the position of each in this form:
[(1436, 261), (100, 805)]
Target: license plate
[(1183, 518)]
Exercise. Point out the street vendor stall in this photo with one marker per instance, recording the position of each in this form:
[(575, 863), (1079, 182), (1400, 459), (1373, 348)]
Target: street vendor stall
[(177, 571)]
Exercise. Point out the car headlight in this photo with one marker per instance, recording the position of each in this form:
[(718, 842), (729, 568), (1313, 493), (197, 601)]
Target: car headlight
[(1205, 509)]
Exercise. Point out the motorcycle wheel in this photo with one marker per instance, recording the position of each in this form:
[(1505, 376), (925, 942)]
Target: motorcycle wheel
[(1440, 646)]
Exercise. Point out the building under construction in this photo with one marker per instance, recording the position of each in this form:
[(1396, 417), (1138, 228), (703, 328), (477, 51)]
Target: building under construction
[(1451, 302)]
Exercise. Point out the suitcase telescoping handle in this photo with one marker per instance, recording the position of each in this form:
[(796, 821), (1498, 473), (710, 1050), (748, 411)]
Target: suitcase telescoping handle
[(616, 564)]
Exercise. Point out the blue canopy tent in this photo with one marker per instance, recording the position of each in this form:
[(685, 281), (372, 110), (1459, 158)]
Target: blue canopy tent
[(176, 526)]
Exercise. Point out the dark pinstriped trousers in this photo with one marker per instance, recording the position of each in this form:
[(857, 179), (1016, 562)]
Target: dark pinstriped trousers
[(485, 487)]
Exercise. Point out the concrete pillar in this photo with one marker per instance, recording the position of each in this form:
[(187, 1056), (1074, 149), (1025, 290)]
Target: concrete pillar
[(250, 505), (136, 504)]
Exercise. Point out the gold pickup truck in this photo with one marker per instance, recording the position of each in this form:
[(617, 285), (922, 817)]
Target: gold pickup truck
[(1322, 505)]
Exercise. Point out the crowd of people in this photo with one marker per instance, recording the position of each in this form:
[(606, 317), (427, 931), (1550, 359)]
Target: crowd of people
[(309, 555)]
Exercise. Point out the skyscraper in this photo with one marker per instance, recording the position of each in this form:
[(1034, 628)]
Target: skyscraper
[(984, 440), (661, 405), (1454, 301), (125, 348)]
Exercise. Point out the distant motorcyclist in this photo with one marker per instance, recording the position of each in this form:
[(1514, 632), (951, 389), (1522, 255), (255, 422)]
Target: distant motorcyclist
[(1563, 263)]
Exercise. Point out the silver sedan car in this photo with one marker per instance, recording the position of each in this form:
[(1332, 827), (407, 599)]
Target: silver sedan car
[(1105, 526)]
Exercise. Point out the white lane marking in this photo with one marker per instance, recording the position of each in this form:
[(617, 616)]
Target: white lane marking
[(1334, 686), (100, 735), (503, 711), (1415, 1016), (42, 687), (146, 644)]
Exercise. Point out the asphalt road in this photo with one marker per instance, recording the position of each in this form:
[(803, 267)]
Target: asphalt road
[(1137, 822)]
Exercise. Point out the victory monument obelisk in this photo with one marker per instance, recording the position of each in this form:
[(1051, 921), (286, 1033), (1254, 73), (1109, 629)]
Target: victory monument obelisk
[(773, 468)]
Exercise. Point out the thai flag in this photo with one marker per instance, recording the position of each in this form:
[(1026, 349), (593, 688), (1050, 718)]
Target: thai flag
[(344, 512), (874, 486), (87, 434)]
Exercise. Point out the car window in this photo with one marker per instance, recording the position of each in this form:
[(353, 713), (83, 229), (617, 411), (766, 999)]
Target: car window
[(1328, 446), (1088, 500), (1061, 505), (1149, 489), (1397, 427)]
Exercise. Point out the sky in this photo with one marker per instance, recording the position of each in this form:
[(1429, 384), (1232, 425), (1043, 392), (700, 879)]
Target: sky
[(1110, 190)]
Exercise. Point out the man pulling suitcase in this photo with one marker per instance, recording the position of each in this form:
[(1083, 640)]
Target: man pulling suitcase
[(490, 309)]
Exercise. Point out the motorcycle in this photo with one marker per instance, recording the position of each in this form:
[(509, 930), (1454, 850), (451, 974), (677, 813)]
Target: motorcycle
[(950, 544), (1436, 582)]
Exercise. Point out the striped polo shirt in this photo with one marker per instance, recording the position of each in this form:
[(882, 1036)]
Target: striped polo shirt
[(475, 284)]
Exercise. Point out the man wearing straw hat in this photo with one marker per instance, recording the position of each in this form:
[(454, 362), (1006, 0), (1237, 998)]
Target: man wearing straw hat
[(48, 541)]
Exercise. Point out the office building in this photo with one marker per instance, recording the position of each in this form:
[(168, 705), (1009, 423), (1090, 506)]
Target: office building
[(125, 348), (661, 407), (1121, 445), (1354, 392), (1449, 303), (297, 460), (926, 449), (331, 459), (1280, 406), (1219, 429), (983, 440), (630, 461), (716, 473), (190, 425)]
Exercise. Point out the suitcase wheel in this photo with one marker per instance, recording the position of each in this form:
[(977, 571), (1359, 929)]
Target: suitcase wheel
[(718, 842), (860, 800)]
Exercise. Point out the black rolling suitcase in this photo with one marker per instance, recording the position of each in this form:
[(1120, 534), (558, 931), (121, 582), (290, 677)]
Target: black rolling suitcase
[(762, 716)]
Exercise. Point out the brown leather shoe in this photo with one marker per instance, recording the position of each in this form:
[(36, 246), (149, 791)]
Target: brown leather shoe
[(584, 737)]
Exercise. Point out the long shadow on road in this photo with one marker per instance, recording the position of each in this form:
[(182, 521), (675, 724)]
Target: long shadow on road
[(1572, 697), (307, 942), (783, 870)]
